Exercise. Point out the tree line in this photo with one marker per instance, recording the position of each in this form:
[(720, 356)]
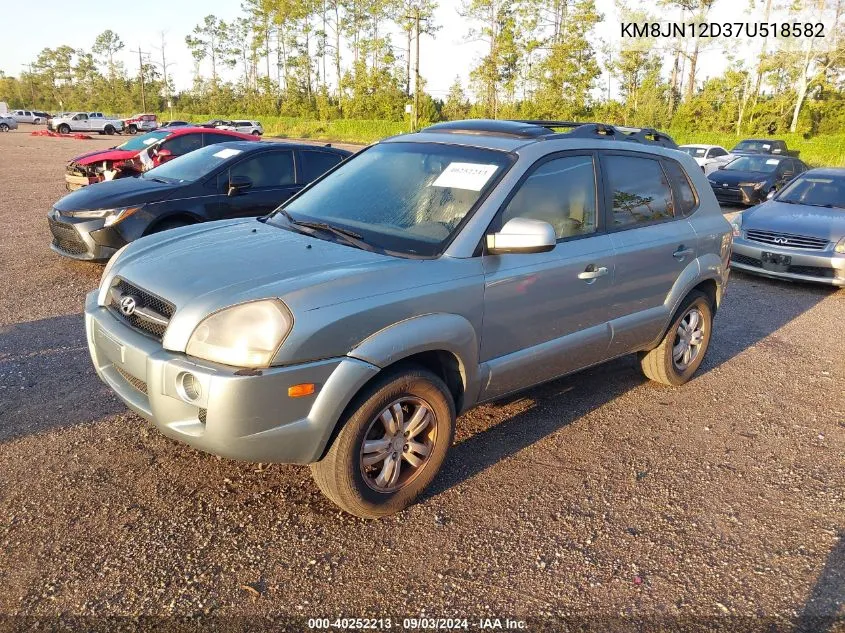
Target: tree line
[(352, 59)]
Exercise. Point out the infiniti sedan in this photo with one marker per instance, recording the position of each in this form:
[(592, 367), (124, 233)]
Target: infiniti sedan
[(798, 234)]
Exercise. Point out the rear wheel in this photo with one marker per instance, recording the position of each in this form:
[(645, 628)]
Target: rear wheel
[(133, 129), (682, 349), (109, 129), (391, 445), (256, 133), (64, 128)]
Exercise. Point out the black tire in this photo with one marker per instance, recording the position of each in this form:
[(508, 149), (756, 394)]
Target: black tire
[(64, 128), (256, 133), (4, 127), (166, 225), (109, 129), (133, 129), (342, 474), (660, 364)]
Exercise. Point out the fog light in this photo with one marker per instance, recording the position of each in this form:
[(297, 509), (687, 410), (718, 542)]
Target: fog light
[(189, 387)]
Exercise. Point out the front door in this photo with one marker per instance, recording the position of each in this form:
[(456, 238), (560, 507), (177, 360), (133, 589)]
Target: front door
[(545, 313), (273, 180)]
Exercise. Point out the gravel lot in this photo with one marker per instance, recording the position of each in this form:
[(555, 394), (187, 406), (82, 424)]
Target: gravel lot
[(719, 504)]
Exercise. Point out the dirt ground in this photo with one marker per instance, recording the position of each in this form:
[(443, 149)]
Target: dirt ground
[(594, 501)]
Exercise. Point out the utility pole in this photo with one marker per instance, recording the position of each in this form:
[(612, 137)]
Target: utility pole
[(31, 86), (417, 70), (164, 65), (141, 71)]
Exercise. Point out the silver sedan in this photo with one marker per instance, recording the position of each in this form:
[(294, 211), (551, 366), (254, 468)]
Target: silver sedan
[(7, 123), (798, 234)]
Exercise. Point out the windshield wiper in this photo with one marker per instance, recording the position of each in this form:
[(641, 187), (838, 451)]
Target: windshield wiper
[(350, 237)]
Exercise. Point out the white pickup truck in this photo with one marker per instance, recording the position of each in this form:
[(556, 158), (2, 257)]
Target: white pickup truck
[(85, 122)]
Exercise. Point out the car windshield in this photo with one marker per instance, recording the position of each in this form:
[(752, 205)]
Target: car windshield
[(762, 164), (695, 152), (143, 141), (752, 146), (817, 191), (407, 198), (193, 165)]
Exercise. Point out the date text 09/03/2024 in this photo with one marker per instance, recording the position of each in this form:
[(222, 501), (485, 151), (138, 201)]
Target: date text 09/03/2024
[(418, 624)]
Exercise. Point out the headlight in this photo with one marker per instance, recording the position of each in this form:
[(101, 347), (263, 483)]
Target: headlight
[(112, 216), (756, 185), (110, 264), (245, 335), (736, 225), (840, 246)]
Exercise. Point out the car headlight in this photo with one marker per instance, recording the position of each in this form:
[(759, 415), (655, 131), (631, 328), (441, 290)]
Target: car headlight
[(736, 225), (755, 185), (112, 216), (245, 335), (840, 246), (110, 264)]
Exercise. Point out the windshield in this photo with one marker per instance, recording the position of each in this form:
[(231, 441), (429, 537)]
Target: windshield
[(194, 165), (817, 191), (407, 198), (695, 152), (752, 146), (762, 164), (143, 141)]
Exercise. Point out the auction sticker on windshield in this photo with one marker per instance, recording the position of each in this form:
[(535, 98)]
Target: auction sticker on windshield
[(471, 176), (772, 161), (227, 153)]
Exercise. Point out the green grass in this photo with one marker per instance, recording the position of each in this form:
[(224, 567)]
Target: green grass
[(824, 150)]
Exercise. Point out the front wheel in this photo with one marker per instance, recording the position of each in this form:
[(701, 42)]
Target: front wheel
[(4, 127), (682, 349), (393, 440)]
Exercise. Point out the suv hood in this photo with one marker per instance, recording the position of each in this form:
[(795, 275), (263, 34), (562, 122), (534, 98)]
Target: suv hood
[(112, 194), (797, 219), (208, 267), (112, 154)]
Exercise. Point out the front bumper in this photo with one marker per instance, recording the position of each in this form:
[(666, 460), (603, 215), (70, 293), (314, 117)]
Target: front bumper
[(87, 240), (245, 417), (735, 194), (825, 267)]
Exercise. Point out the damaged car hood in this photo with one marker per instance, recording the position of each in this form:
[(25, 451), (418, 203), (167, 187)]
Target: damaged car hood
[(111, 154)]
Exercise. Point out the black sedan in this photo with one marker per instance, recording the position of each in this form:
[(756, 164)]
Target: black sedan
[(751, 179), (227, 180)]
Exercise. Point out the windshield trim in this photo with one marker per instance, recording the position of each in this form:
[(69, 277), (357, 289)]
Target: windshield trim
[(510, 161)]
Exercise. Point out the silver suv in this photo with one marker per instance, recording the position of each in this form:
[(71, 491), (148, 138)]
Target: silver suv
[(425, 275)]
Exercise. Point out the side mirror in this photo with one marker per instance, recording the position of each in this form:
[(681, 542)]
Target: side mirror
[(721, 166), (770, 195), (522, 235), (238, 184)]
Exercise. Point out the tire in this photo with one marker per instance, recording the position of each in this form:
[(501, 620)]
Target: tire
[(659, 364), (256, 133), (4, 127), (166, 225), (64, 128), (109, 129), (368, 490), (133, 130)]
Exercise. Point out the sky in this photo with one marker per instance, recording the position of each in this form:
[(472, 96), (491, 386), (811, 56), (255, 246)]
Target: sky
[(442, 57)]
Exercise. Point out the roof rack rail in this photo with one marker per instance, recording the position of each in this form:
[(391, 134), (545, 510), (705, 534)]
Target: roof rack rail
[(645, 135)]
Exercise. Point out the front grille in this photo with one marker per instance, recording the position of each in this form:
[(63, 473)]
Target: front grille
[(787, 239), (152, 314), (66, 238), (744, 259), (137, 383)]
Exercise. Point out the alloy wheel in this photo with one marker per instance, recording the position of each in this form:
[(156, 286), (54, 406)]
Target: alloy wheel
[(398, 444), (689, 339)]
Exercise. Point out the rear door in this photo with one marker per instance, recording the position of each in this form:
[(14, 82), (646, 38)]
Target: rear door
[(273, 176), (314, 163), (545, 313), (654, 243)]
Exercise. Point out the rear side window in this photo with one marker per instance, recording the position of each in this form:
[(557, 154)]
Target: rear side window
[(315, 164), (562, 192), (717, 151), (687, 201), (211, 139), (183, 144), (639, 189)]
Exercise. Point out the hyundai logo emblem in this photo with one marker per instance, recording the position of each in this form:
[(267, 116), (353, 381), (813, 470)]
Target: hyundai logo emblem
[(781, 240), (128, 305), (725, 185)]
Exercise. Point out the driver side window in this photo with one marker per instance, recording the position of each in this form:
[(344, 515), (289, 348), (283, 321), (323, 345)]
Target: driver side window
[(562, 192)]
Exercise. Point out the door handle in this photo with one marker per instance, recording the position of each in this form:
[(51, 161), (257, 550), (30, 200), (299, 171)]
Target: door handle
[(682, 252), (591, 272)]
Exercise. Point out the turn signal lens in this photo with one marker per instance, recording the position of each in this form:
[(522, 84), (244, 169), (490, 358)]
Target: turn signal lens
[(840, 246), (298, 391)]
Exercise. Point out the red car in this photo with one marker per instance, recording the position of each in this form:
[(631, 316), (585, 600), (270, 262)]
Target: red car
[(140, 123), (142, 153)]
